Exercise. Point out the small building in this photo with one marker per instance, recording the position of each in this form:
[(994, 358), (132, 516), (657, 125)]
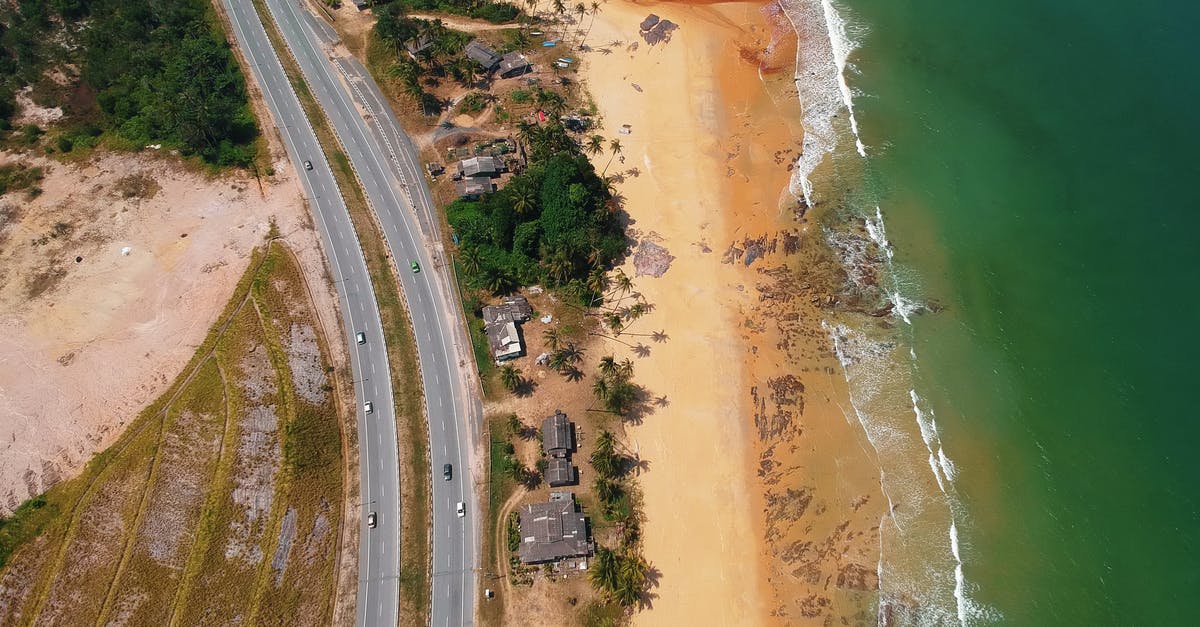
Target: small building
[(560, 472), (482, 55), (500, 323), (361, 4), (473, 188), (415, 47), (485, 166), (558, 436), (553, 530), (514, 64)]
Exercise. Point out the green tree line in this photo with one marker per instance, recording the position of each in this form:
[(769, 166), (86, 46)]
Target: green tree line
[(161, 72)]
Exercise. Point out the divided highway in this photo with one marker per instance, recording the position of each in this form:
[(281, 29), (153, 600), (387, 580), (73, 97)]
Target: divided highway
[(386, 164), (379, 557)]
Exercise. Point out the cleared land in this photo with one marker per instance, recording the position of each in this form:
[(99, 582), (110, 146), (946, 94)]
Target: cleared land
[(221, 502)]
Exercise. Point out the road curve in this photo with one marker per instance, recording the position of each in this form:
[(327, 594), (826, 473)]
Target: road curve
[(379, 556), (386, 164)]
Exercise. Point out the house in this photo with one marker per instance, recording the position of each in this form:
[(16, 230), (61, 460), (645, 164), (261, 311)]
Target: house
[(485, 166), (558, 436), (561, 472), (473, 188), (500, 324), (482, 55), (514, 64), (553, 530), (416, 46)]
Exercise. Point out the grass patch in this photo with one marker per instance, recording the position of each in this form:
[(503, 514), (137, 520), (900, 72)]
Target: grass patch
[(15, 177)]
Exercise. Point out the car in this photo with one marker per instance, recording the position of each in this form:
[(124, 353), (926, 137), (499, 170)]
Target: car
[(368, 407), (360, 337), (308, 165), (447, 471), (371, 520), (461, 509), (416, 267)]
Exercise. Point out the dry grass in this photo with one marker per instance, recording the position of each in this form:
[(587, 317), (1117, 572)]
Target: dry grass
[(181, 520)]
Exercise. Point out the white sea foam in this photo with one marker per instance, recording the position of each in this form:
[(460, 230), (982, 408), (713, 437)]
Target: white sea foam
[(841, 45), (878, 232)]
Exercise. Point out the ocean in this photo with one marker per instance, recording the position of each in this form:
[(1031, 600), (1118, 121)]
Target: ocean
[(1014, 185)]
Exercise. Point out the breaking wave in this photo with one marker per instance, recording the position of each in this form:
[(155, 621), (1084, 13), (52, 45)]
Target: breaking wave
[(921, 569)]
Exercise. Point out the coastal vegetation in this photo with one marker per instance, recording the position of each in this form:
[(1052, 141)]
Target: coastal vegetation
[(494, 12), (555, 224), (131, 73), (221, 500)]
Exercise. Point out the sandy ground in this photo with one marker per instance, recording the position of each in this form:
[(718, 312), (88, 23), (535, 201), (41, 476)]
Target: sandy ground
[(762, 501), (107, 334)]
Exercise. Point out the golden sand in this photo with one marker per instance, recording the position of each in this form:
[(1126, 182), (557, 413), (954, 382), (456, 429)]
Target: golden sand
[(762, 498)]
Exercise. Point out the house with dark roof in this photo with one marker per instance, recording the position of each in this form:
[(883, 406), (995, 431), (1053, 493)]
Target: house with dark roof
[(514, 64), (553, 530), (561, 472), (500, 323), (482, 55), (558, 436), (416, 46)]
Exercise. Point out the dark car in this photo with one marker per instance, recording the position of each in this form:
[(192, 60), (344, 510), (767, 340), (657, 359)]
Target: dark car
[(447, 471), (308, 165)]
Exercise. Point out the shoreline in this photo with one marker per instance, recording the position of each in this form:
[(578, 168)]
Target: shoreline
[(799, 539)]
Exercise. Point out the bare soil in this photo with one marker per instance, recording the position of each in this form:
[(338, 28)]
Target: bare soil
[(108, 282)]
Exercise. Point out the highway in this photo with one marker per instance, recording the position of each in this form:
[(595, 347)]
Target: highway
[(379, 557), (386, 164)]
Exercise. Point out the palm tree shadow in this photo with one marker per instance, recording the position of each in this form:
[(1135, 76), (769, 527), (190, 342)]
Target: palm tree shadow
[(573, 374), (641, 407), (662, 401), (641, 350), (526, 388), (653, 581), (660, 336)]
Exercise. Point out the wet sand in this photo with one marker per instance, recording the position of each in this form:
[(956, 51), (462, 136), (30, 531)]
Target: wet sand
[(762, 496)]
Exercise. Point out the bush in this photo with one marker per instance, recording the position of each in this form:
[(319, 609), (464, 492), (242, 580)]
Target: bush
[(64, 143), (520, 96)]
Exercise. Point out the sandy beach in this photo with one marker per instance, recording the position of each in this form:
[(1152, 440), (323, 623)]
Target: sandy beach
[(762, 498)]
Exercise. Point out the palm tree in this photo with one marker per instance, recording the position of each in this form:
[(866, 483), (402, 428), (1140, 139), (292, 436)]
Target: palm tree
[(636, 311), (606, 442), (601, 389), (523, 196), (597, 282), (580, 10), (552, 338), (625, 369), (514, 425), (572, 353), (603, 570), (608, 367), (606, 490), (631, 578), (510, 377), (595, 145), (595, 10), (615, 147), (559, 265), (615, 322), (470, 260)]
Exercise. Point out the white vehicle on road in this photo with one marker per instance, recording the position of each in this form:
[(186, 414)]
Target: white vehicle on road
[(368, 407), (461, 509)]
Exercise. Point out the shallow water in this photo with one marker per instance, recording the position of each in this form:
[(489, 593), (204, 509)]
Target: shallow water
[(1034, 171)]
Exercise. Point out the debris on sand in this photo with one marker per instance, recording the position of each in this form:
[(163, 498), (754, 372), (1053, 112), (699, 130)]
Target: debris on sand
[(651, 259)]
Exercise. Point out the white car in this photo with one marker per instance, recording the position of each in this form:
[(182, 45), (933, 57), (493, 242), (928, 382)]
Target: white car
[(360, 337), (368, 407), (371, 520), (461, 509)]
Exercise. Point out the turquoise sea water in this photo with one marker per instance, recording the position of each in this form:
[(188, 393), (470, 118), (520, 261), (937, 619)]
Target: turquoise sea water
[(1035, 163)]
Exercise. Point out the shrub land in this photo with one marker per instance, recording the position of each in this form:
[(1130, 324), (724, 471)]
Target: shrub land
[(149, 73)]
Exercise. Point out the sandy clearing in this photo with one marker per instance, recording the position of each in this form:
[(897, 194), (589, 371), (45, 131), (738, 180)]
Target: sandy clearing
[(80, 359)]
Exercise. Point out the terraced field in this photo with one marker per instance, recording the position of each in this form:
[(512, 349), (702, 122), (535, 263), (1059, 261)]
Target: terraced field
[(221, 503)]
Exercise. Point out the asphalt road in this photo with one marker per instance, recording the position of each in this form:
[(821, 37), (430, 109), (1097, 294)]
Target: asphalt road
[(379, 558), (386, 164)]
